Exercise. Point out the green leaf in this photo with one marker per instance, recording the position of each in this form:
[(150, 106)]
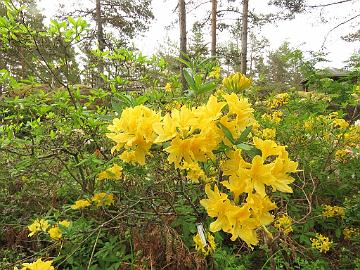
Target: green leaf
[(244, 135), (190, 80), (207, 87), (245, 146), (227, 133), (141, 100)]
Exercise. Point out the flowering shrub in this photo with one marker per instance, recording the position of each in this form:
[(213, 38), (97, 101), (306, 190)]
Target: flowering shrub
[(214, 159)]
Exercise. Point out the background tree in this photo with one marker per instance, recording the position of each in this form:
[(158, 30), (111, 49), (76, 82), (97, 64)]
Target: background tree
[(244, 36), (182, 27), (213, 26), (30, 51), (197, 44)]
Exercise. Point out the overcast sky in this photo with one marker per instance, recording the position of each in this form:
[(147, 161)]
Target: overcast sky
[(305, 32)]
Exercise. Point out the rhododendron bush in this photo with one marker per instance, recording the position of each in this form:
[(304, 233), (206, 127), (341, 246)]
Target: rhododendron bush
[(213, 134), (190, 180)]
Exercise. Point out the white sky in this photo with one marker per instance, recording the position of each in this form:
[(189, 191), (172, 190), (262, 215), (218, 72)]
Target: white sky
[(305, 32)]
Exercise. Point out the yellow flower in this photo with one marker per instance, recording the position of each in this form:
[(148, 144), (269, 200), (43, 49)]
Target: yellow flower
[(242, 225), (133, 132), (340, 123), (80, 204), (194, 172), (340, 155), (321, 243), (260, 208), (65, 223), (216, 206), (207, 247), (236, 82), (308, 125), (38, 265), (279, 100), (113, 173), (351, 232), (275, 117), (102, 199), (55, 233), (168, 87), (215, 72), (258, 175), (268, 134), (284, 223), (332, 211), (37, 226)]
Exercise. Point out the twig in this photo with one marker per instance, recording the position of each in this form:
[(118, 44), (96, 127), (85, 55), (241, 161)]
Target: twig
[(93, 250)]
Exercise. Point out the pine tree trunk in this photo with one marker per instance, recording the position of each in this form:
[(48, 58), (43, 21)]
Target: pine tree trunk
[(100, 39), (182, 25), (244, 36), (213, 27)]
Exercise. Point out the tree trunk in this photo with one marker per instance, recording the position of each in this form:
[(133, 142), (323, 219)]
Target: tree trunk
[(182, 25), (244, 36), (101, 41), (213, 27)]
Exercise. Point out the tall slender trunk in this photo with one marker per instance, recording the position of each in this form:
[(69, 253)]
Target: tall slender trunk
[(182, 26), (213, 27), (244, 36), (100, 39)]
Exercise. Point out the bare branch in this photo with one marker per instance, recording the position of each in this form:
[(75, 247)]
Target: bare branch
[(329, 4)]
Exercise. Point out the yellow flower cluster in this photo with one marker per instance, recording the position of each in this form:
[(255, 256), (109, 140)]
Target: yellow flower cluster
[(340, 155), (268, 134), (352, 136), (168, 87), (332, 124), (113, 173), (274, 118), (283, 224), (207, 247), (313, 96), (43, 225), (133, 133), (37, 226), (101, 199), (55, 232), (215, 72), (333, 211), (193, 133), (351, 232), (236, 82), (278, 101), (321, 243), (191, 137), (37, 265), (79, 204), (243, 220)]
